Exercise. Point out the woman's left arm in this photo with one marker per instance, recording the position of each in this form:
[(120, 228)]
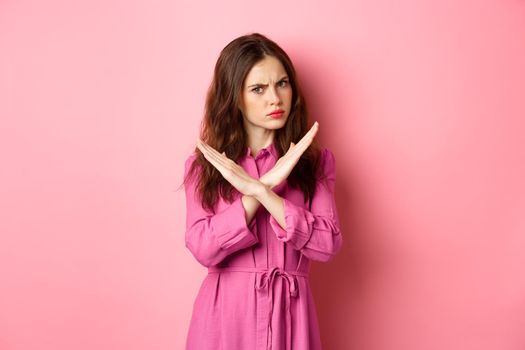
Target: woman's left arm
[(315, 232)]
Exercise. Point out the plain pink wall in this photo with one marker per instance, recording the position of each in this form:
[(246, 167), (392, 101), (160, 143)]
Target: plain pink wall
[(421, 102)]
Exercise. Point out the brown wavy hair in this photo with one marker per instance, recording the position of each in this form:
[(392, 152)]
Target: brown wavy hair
[(222, 126)]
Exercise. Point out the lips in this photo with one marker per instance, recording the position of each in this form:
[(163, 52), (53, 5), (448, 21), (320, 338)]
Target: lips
[(277, 112)]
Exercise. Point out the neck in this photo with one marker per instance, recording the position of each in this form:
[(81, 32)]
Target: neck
[(255, 148)]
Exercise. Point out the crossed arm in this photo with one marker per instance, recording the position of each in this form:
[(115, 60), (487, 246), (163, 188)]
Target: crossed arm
[(315, 232)]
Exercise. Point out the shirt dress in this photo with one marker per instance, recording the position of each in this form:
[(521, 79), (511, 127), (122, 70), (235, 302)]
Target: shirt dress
[(256, 294)]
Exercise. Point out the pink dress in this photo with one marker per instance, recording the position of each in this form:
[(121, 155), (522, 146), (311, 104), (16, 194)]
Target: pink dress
[(256, 294)]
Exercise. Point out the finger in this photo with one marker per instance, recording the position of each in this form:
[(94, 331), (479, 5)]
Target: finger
[(310, 134), (212, 151), (209, 150), (205, 149), (221, 158), (227, 167), (305, 141), (298, 149), (219, 161)]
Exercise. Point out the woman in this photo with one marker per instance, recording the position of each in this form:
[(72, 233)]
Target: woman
[(260, 207)]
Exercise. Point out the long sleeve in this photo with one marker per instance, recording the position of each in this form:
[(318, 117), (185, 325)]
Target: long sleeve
[(315, 232), (211, 237)]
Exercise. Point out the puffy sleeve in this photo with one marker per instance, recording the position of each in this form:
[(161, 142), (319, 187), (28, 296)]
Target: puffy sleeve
[(315, 232), (211, 236)]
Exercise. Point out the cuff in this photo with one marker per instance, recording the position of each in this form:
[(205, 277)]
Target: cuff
[(231, 229), (299, 223)]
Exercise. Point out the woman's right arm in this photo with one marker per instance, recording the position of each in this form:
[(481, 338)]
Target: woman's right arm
[(210, 236)]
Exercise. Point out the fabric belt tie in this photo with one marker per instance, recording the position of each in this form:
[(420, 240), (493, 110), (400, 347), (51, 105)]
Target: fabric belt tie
[(264, 285)]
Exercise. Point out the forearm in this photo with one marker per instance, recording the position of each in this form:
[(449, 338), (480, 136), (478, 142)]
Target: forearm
[(273, 203), (252, 203)]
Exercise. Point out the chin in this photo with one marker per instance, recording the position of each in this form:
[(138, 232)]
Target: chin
[(279, 123)]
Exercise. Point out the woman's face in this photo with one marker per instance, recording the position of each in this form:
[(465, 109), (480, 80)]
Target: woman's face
[(265, 89)]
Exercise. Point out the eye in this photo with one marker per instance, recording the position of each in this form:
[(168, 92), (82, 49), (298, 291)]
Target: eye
[(283, 83), (254, 89)]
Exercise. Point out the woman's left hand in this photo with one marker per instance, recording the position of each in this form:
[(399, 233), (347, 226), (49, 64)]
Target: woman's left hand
[(230, 170)]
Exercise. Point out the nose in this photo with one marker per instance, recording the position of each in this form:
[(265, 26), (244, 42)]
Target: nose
[(274, 96)]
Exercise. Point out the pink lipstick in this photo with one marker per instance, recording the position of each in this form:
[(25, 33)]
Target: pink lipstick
[(278, 113)]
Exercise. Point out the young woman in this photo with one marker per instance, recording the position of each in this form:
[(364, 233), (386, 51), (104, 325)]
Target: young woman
[(259, 205)]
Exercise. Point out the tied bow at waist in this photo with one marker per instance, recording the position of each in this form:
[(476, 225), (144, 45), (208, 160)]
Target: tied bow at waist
[(264, 283)]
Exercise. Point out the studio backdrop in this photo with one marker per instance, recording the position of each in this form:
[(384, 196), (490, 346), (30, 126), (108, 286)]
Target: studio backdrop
[(422, 104)]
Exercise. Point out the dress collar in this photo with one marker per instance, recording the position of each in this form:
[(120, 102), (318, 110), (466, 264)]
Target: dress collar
[(270, 148)]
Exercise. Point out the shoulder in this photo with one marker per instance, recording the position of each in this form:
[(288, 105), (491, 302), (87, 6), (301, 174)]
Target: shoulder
[(190, 159), (327, 164), (326, 153), (327, 157)]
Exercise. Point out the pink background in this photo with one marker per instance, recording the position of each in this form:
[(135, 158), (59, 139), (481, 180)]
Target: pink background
[(421, 102)]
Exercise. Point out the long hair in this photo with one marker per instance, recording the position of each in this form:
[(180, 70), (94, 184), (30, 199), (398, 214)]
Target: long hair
[(222, 126)]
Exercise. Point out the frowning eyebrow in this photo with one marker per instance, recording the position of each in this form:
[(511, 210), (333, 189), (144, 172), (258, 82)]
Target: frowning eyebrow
[(259, 84)]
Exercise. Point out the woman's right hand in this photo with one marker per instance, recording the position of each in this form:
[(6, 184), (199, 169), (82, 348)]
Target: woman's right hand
[(284, 165)]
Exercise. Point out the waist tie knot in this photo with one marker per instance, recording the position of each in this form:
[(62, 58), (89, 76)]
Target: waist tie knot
[(267, 278), (264, 283)]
